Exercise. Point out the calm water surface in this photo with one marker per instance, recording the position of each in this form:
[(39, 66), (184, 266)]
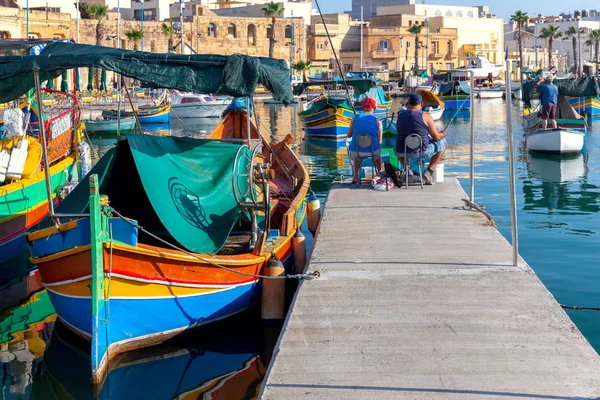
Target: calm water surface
[(559, 226)]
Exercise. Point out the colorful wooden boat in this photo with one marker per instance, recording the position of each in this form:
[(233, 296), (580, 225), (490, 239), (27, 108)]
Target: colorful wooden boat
[(170, 290), (157, 115), (328, 118), (588, 105), (455, 95), (24, 202), (383, 100), (109, 127)]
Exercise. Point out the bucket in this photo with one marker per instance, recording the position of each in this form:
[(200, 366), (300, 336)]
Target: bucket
[(366, 173), (438, 174)]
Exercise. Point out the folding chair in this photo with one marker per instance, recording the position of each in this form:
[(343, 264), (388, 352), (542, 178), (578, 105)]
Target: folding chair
[(414, 142)]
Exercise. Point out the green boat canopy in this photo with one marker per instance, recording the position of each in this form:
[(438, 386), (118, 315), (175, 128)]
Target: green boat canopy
[(328, 102), (577, 87), (178, 188), (236, 75), (360, 85)]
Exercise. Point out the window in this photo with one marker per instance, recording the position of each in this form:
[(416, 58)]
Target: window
[(288, 31), (459, 13), (449, 47), (385, 66), (470, 14), (438, 13), (400, 44), (212, 30), (251, 35), (448, 13), (384, 45), (269, 31), (231, 31), (347, 67), (408, 44), (436, 47)]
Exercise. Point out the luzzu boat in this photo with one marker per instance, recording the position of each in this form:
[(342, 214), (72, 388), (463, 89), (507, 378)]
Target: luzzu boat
[(383, 100), (588, 105), (23, 198), (215, 212), (455, 95), (328, 118), (152, 115)]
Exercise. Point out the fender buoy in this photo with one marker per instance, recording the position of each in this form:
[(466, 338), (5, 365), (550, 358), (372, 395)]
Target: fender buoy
[(299, 250), (313, 209)]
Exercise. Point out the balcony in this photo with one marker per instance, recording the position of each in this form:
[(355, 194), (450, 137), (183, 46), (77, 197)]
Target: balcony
[(384, 54)]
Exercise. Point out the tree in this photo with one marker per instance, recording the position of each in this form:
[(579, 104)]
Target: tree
[(302, 66), (416, 30), (594, 39), (135, 35), (521, 18), (84, 10), (572, 33), (99, 13), (169, 32), (550, 33), (272, 10)]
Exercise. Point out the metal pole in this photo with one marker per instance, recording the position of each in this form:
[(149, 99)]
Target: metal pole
[(27, 19), (511, 173), (536, 45), (427, 45), (181, 22), (248, 119), (292, 44), (78, 16), (42, 136), (361, 37), (472, 155), (142, 25), (119, 89), (119, 25)]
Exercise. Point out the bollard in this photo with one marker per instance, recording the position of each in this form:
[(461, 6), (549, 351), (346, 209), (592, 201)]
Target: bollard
[(299, 250), (273, 291)]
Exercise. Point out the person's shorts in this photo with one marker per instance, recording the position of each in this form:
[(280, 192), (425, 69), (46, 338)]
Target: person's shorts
[(549, 111), (434, 147), (364, 154)]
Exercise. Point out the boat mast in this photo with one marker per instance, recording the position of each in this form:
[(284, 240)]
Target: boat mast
[(336, 57), (42, 137), (361, 38)]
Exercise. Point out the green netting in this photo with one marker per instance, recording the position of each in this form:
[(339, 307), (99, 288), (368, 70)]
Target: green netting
[(327, 102), (235, 75), (179, 188), (583, 86)]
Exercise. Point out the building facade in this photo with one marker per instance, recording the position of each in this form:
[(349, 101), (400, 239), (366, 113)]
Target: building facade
[(369, 7)]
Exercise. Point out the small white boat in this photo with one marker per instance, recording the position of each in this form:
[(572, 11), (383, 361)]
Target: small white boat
[(435, 112), (481, 67), (492, 93), (559, 141), (190, 105)]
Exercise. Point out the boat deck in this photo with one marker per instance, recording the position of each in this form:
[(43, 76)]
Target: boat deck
[(418, 299)]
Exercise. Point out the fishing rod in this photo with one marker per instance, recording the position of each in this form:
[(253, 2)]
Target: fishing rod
[(336, 57)]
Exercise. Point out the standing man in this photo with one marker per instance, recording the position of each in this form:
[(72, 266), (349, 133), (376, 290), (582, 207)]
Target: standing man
[(549, 92), (415, 120)]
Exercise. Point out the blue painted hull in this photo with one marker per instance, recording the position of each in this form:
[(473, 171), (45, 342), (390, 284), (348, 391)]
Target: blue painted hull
[(460, 104), (329, 132)]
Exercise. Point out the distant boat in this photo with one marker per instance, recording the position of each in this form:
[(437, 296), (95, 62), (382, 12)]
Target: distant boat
[(146, 115), (480, 66), (100, 126), (191, 105), (587, 104), (328, 117), (383, 100), (455, 95), (490, 93)]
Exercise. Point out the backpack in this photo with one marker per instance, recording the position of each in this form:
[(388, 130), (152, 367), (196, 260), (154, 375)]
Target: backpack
[(393, 173)]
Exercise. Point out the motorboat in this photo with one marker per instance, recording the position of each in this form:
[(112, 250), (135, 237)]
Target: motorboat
[(191, 105), (496, 92), (480, 66)]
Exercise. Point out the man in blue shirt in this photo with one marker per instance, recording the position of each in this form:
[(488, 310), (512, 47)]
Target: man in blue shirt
[(549, 92), (365, 123)]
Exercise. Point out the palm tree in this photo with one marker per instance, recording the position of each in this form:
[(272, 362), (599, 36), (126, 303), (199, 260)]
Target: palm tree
[(302, 66), (521, 18), (416, 30), (169, 32), (572, 33), (135, 35), (98, 12), (594, 39), (550, 33), (272, 10)]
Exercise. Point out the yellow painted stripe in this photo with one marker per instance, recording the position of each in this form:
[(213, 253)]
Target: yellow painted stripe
[(126, 288), (45, 233), (59, 255)]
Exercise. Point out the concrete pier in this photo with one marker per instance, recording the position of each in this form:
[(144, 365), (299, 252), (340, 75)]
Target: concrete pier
[(418, 299)]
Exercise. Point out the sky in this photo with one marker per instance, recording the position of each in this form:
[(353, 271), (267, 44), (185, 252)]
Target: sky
[(503, 9)]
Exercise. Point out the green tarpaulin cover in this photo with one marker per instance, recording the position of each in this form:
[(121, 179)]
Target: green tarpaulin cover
[(577, 87), (235, 75), (327, 102), (376, 94), (178, 188), (360, 86)]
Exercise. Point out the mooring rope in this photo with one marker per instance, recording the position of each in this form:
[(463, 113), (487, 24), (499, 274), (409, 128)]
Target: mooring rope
[(580, 308), (306, 276)]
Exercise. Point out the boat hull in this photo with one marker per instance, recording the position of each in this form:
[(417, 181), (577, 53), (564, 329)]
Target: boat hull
[(154, 116), (490, 94), (199, 110), (557, 141), (588, 105), (328, 123), (127, 125), (456, 104), (436, 113), (24, 203)]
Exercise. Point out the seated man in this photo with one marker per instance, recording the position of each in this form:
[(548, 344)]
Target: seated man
[(415, 120), (549, 92), (365, 122)]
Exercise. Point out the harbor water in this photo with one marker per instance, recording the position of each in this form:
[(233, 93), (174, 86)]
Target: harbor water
[(558, 203)]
